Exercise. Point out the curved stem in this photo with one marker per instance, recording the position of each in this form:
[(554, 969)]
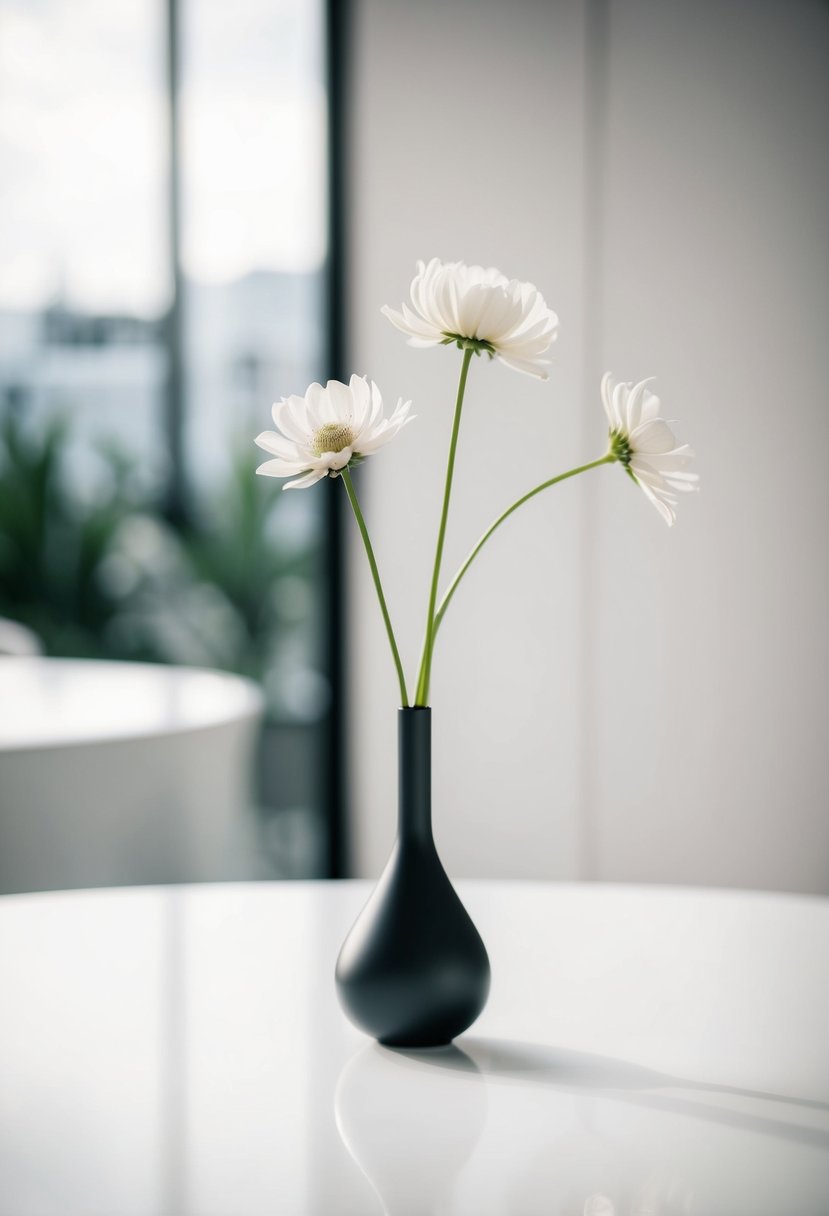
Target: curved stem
[(375, 574), (453, 586), (422, 692)]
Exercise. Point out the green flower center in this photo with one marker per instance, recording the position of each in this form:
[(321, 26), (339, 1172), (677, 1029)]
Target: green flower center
[(332, 437), (620, 447), (480, 345)]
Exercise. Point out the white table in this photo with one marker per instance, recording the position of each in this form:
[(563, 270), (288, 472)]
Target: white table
[(180, 1052), (117, 773)]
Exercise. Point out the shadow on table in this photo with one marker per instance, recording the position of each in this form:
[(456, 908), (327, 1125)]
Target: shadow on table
[(579, 1072)]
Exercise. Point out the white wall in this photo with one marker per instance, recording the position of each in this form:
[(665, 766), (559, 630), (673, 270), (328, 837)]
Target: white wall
[(611, 700)]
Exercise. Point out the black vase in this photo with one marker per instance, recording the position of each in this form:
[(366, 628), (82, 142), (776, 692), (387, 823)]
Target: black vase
[(413, 971)]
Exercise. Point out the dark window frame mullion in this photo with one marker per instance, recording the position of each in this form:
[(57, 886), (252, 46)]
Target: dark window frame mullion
[(173, 326), (337, 14)]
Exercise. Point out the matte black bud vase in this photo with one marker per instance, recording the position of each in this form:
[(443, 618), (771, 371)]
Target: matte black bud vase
[(413, 971)]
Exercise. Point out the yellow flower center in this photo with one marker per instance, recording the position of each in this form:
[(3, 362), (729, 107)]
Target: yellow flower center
[(332, 437)]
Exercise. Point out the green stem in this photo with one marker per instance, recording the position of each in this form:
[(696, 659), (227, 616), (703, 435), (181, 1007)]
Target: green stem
[(545, 485), (375, 574), (422, 693)]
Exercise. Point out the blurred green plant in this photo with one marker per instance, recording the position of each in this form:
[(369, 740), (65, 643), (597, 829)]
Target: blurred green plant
[(51, 545), (237, 546), (101, 574)]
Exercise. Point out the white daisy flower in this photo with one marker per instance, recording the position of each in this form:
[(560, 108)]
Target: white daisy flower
[(645, 444), (481, 309), (328, 429)]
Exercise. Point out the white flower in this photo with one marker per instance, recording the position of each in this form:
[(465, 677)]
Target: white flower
[(327, 429), (645, 444), (478, 308)]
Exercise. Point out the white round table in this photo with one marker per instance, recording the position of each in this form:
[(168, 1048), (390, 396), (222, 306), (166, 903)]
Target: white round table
[(117, 773), (645, 1051)]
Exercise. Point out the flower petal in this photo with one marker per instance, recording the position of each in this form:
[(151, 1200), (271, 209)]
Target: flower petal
[(474, 302), (281, 468), (291, 418), (347, 417), (277, 445), (645, 443), (653, 436), (309, 479)]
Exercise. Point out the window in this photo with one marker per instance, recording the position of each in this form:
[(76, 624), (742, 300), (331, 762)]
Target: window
[(162, 279)]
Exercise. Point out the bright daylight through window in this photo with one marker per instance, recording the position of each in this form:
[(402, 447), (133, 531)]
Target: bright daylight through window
[(163, 226)]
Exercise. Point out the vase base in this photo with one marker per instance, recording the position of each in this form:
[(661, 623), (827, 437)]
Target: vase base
[(406, 1044)]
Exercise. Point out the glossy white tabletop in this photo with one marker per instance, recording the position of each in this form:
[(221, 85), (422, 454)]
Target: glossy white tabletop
[(59, 702), (646, 1052)]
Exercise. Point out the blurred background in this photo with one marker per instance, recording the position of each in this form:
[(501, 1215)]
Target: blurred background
[(198, 216), (163, 278)]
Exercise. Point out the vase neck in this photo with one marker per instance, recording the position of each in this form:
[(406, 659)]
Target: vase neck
[(414, 741)]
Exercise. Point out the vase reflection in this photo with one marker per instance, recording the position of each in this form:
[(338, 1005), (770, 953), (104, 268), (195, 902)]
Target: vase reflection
[(657, 1195), (409, 1127)]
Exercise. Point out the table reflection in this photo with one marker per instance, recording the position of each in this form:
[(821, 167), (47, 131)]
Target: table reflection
[(496, 1126)]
